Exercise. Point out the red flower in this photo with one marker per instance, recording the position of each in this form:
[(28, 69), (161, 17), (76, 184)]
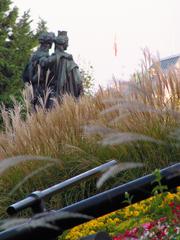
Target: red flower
[(171, 204), (131, 233), (147, 226)]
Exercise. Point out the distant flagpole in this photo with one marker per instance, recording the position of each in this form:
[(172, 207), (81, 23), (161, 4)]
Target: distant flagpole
[(115, 46)]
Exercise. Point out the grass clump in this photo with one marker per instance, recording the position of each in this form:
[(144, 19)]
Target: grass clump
[(133, 122)]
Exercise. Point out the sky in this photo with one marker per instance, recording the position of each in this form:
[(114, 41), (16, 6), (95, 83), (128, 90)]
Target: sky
[(93, 25)]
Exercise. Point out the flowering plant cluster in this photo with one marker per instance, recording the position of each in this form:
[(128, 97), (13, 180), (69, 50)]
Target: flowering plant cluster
[(162, 228), (155, 218)]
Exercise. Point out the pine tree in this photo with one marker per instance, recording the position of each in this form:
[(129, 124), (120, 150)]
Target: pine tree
[(17, 41), (41, 27), (7, 22)]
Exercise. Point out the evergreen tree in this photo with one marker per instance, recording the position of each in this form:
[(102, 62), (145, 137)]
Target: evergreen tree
[(41, 27), (7, 21), (17, 41)]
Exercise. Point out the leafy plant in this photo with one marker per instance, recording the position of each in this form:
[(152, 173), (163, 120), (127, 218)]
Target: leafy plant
[(128, 198), (159, 188)]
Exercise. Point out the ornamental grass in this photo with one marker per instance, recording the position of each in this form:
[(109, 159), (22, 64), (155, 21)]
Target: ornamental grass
[(136, 122)]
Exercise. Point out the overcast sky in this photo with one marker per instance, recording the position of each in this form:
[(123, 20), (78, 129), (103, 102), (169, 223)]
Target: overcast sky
[(92, 25)]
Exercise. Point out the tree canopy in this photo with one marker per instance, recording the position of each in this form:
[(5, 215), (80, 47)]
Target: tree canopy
[(17, 41)]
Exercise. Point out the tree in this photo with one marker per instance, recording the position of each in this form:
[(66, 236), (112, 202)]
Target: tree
[(7, 22), (87, 79), (17, 41), (41, 27)]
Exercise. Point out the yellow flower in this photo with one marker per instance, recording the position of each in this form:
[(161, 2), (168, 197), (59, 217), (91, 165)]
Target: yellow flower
[(114, 218)]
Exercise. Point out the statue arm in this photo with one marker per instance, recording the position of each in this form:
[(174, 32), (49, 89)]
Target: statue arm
[(67, 56), (47, 61)]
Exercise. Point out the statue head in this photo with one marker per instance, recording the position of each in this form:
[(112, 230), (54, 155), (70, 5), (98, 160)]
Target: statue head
[(62, 39), (46, 39)]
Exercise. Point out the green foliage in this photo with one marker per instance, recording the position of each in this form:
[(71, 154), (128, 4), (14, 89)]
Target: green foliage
[(128, 198), (41, 27), (159, 188), (17, 41), (88, 80), (7, 23), (159, 192)]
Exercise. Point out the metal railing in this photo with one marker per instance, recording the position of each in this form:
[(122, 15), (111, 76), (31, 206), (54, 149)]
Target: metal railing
[(94, 206), (35, 200)]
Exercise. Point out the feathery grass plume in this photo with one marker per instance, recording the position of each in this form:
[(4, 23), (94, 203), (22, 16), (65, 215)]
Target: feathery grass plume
[(131, 106), (9, 223), (39, 73), (43, 100), (25, 179), (48, 219), (12, 161), (45, 220), (47, 78), (28, 96), (125, 137), (118, 119), (15, 114), (55, 215), (6, 119), (72, 148), (97, 129), (114, 170)]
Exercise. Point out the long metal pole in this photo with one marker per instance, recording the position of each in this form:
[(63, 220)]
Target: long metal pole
[(35, 199)]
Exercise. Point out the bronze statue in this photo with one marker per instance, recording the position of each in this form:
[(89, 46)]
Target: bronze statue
[(58, 73), (37, 75), (65, 75)]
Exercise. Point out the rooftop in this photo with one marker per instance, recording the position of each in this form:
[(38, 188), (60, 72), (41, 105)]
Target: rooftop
[(168, 61)]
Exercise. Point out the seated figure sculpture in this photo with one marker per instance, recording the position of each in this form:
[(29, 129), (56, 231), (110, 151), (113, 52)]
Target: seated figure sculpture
[(64, 72)]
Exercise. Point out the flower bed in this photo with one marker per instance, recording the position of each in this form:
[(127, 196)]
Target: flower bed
[(162, 228), (157, 217)]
